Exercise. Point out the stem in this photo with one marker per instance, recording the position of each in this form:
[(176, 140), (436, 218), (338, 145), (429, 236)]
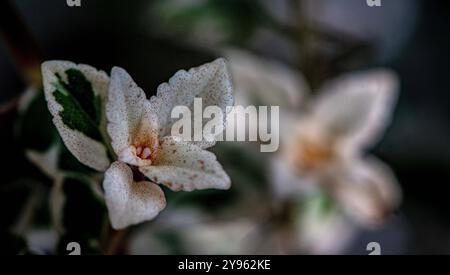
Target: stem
[(112, 240)]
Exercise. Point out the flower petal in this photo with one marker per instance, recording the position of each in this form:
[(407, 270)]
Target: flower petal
[(87, 149), (368, 191), (130, 202), (285, 181), (358, 107), (264, 82), (184, 166), (211, 82), (129, 114)]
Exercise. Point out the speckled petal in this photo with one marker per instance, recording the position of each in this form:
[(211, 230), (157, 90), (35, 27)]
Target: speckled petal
[(211, 82), (184, 166), (129, 115), (87, 150), (130, 202)]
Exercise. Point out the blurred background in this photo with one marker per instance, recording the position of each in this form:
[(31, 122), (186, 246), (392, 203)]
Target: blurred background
[(310, 40)]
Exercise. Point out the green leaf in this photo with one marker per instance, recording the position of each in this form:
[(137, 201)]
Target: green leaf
[(35, 127), (81, 106), (320, 202)]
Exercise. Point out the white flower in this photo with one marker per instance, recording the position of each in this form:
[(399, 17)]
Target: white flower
[(326, 146), (138, 132)]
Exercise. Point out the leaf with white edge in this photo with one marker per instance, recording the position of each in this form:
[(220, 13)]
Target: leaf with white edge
[(75, 97), (357, 107), (181, 165), (46, 161), (211, 82), (130, 202)]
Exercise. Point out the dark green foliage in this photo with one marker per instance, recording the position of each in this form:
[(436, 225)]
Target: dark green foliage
[(238, 19), (81, 106), (83, 215), (83, 211)]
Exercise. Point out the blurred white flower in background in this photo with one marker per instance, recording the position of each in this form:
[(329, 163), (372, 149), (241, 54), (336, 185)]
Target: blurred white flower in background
[(325, 146), (259, 81), (324, 139), (265, 82)]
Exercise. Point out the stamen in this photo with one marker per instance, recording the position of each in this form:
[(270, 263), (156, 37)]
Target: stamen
[(139, 150), (146, 153)]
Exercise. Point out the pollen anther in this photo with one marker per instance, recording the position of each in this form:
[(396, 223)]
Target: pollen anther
[(146, 153)]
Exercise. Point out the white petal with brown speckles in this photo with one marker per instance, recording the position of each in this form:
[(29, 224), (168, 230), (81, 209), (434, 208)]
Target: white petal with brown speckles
[(130, 202), (131, 121), (184, 166), (211, 82)]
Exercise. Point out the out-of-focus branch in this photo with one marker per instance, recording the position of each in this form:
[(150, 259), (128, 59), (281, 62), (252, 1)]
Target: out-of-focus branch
[(24, 51), (20, 42), (314, 62)]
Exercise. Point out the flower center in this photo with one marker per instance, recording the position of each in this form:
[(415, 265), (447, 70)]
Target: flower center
[(312, 155), (146, 148), (146, 140), (143, 152)]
